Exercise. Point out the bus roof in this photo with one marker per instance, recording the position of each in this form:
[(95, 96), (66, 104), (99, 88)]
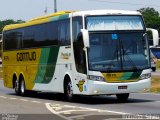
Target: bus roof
[(38, 20), (106, 12), (65, 14)]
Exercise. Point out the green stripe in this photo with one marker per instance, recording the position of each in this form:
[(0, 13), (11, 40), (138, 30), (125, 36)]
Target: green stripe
[(131, 75), (56, 18), (47, 65)]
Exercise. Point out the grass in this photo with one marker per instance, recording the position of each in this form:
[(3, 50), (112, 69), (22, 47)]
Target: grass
[(158, 65), (155, 84)]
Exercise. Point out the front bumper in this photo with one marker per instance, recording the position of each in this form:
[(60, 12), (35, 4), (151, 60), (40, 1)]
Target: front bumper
[(103, 88)]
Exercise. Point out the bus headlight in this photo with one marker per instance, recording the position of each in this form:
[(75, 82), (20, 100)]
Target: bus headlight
[(95, 78), (145, 76)]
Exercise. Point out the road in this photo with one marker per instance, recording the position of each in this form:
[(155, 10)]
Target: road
[(157, 73), (47, 106)]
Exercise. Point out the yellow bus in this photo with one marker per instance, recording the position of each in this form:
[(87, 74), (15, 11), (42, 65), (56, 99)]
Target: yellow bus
[(99, 52), (0, 49)]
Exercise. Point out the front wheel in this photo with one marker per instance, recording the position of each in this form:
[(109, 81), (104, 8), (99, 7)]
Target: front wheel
[(122, 97), (154, 69), (68, 90)]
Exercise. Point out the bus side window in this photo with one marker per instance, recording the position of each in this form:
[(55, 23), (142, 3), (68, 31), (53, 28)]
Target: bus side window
[(78, 45), (64, 32), (13, 40)]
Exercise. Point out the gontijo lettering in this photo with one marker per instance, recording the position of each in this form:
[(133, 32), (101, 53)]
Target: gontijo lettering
[(26, 56)]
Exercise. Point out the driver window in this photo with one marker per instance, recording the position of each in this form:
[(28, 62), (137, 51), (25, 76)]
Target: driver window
[(78, 45)]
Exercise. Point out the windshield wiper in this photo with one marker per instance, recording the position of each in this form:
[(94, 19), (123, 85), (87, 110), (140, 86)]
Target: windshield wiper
[(123, 54)]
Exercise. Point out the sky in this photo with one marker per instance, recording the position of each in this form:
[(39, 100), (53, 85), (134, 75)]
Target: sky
[(28, 9)]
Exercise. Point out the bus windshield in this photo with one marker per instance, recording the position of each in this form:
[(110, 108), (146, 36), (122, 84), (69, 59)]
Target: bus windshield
[(95, 23), (117, 52)]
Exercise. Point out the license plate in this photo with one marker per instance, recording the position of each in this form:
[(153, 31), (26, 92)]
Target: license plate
[(122, 87)]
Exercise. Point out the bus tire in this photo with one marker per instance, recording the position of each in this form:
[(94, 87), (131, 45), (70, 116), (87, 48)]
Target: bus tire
[(16, 87), (22, 87), (68, 90), (154, 69), (15, 84), (122, 97)]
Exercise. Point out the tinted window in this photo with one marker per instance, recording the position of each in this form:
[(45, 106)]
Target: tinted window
[(13, 39), (64, 32), (47, 34), (79, 54)]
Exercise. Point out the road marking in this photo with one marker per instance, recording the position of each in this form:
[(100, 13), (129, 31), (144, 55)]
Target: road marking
[(48, 106), (36, 101), (109, 111), (91, 109), (70, 106), (82, 116), (13, 98), (24, 100), (53, 107), (3, 97), (69, 111), (151, 93)]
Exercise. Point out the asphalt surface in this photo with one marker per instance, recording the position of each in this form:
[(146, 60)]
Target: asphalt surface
[(157, 73), (49, 106)]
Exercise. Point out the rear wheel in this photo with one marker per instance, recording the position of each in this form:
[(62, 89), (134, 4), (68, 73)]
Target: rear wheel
[(16, 87), (22, 88), (122, 97), (68, 90)]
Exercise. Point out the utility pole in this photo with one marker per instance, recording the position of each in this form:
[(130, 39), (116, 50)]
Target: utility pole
[(46, 10), (55, 6)]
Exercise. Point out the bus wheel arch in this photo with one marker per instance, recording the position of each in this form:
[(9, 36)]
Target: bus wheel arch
[(68, 88)]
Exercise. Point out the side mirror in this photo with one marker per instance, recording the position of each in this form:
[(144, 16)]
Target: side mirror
[(155, 36), (85, 36)]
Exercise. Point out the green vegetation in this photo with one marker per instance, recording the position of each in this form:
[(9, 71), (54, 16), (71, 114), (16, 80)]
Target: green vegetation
[(158, 65), (8, 22), (155, 84), (151, 17)]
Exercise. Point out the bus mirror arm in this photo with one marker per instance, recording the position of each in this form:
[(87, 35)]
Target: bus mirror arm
[(85, 36)]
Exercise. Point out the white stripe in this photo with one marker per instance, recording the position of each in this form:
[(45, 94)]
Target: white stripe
[(3, 97), (122, 113), (91, 109), (54, 112), (68, 111), (69, 106), (13, 98), (151, 93), (85, 115), (24, 100), (36, 101)]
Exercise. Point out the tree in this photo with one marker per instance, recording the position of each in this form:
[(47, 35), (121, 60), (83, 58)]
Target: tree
[(151, 17), (8, 22)]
